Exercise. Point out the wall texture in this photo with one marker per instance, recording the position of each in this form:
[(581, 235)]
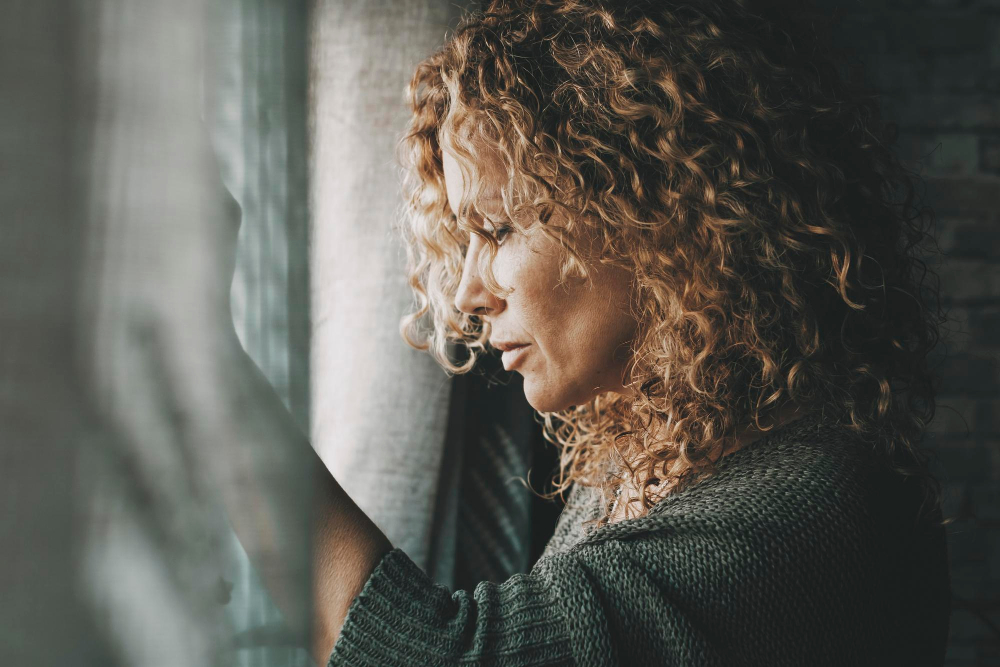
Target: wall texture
[(937, 65)]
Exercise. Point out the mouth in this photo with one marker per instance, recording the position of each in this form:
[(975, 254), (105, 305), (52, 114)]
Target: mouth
[(512, 355)]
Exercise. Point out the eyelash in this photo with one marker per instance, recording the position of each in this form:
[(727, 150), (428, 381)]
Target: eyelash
[(500, 231)]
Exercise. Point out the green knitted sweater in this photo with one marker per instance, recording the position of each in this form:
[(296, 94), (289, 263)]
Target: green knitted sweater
[(800, 550)]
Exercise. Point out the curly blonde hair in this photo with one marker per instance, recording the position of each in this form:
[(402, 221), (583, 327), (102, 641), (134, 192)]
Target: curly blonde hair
[(715, 151)]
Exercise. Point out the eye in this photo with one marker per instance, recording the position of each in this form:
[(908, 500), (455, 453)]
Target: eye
[(499, 230)]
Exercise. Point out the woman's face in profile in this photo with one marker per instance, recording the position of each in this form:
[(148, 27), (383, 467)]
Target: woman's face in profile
[(574, 336)]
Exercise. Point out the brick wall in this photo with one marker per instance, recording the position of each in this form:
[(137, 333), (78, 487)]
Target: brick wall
[(937, 63)]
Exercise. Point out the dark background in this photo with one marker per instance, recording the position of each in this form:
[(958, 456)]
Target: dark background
[(936, 64)]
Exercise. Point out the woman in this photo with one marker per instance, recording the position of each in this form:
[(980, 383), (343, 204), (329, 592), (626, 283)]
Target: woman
[(688, 234)]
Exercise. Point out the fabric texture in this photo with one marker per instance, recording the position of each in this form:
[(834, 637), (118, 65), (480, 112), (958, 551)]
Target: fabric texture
[(358, 281), (800, 550), (256, 117)]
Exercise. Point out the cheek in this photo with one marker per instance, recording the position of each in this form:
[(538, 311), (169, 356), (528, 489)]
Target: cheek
[(598, 332), (532, 269), (540, 304), (578, 328)]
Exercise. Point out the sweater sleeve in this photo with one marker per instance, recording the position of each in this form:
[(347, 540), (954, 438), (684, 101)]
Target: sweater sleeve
[(403, 618)]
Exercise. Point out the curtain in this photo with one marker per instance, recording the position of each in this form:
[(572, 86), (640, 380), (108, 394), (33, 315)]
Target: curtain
[(115, 257), (255, 108), (43, 413), (380, 409)]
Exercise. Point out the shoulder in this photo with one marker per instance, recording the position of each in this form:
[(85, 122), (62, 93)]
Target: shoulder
[(814, 470), (801, 534)]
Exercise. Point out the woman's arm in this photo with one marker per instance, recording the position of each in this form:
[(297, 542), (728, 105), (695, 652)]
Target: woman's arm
[(253, 469)]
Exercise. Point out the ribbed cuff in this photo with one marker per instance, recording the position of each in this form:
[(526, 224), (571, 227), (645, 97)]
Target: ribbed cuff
[(383, 623), (403, 618)]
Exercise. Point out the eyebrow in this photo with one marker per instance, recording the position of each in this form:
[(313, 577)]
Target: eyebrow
[(488, 200)]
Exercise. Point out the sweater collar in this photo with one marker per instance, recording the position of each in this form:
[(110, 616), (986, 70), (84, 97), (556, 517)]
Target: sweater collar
[(779, 444)]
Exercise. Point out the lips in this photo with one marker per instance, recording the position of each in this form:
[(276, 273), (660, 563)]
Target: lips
[(506, 347), (513, 354)]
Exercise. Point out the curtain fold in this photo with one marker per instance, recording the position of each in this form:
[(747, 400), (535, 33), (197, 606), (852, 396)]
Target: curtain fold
[(379, 408), (255, 109), (42, 412)]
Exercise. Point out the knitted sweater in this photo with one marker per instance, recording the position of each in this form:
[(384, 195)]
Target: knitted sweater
[(800, 550)]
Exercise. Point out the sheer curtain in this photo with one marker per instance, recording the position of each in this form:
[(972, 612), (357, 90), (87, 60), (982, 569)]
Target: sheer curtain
[(43, 415), (115, 253), (255, 109), (434, 461)]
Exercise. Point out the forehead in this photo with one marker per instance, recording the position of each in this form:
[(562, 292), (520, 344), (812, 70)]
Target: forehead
[(461, 174)]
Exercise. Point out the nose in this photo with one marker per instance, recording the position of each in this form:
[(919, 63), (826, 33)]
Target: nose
[(472, 297)]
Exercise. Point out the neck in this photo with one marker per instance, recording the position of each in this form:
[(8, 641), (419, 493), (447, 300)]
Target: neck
[(787, 413)]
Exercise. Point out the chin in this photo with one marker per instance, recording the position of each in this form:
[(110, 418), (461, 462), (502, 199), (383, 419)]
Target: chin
[(547, 406), (551, 400)]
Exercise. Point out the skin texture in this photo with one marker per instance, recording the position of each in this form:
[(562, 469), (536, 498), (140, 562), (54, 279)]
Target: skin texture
[(579, 332)]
